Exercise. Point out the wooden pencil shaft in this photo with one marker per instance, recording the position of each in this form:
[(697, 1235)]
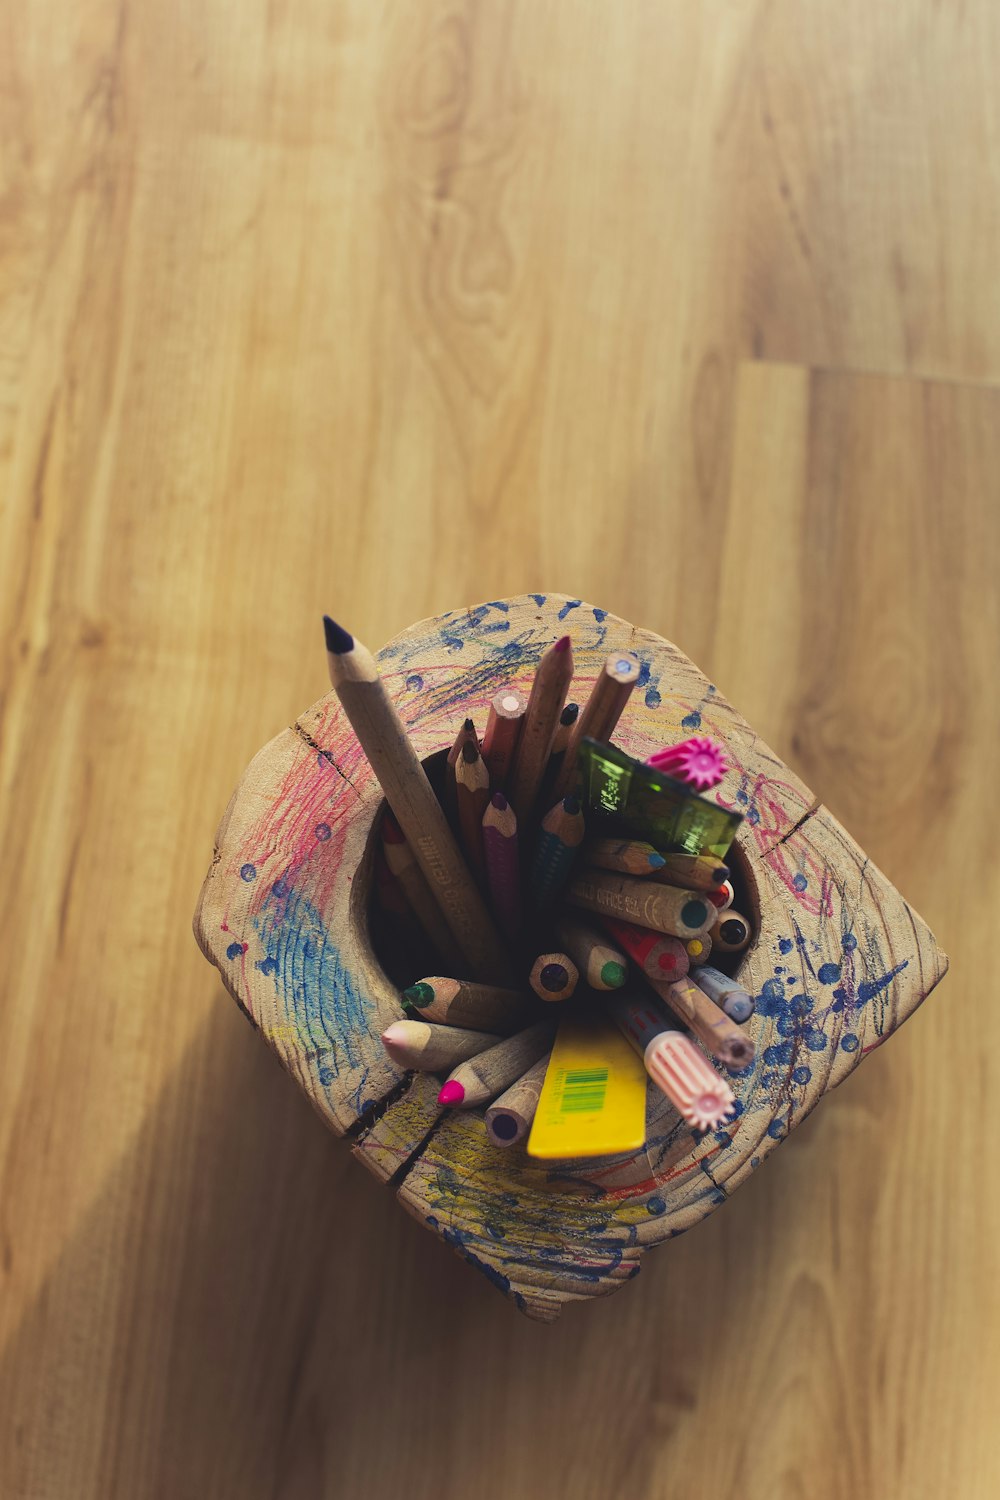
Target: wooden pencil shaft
[(503, 870), (486, 1076), (564, 728), (472, 788), (548, 694), (555, 852), (666, 908), (722, 896), (713, 1028), (601, 712), (695, 872), (401, 863), (503, 730), (699, 950), (461, 1002), (624, 856), (402, 778), (655, 954), (428, 1048), (731, 931), (509, 1117), (603, 966), (554, 976)]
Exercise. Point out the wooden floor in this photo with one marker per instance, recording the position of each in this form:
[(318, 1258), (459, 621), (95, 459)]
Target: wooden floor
[(690, 309)]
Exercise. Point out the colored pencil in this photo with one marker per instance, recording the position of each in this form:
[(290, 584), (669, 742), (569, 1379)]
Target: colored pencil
[(673, 1062), (699, 949), (402, 864), (472, 789), (722, 896), (554, 976), (713, 1028), (465, 736), (735, 1000), (695, 872), (625, 856), (555, 853), (485, 1076), (601, 712), (509, 1118), (503, 873), (394, 761), (657, 956), (557, 754), (602, 966), (548, 695), (428, 1048), (503, 730), (731, 932), (646, 903), (459, 1002)]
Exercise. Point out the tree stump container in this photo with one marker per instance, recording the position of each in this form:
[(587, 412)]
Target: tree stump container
[(839, 959)]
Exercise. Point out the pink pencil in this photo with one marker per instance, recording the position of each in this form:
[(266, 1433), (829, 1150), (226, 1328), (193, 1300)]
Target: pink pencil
[(502, 871)]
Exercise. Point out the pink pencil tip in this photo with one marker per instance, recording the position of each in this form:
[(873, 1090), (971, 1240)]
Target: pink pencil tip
[(392, 1033), (562, 644), (499, 801), (452, 1092)]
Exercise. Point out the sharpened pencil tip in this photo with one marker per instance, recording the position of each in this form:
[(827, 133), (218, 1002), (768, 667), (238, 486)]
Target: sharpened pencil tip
[(553, 977), (452, 1092), (419, 995), (569, 713), (394, 1033), (470, 752), (571, 804), (562, 644), (469, 727), (499, 801), (337, 639), (656, 861)]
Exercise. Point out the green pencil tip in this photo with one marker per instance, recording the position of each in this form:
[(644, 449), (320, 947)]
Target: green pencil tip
[(418, 995), (613, 975)]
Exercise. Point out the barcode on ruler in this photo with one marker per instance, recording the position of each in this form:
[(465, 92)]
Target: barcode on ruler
[(583, 1089)]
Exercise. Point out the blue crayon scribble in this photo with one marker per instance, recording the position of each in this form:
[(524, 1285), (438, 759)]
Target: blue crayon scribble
[(828, 973), (538, 598), (235, 950), (849, 1043), (785, 945), (600, 615), (248, 873), (268, 965), (869, 988), (848, 942), (570, 604), (653, 698), (321, 996), (691, 720), (415, 682), (655, 1206)]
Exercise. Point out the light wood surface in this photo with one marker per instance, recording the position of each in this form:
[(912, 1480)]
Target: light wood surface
[(689, 310)]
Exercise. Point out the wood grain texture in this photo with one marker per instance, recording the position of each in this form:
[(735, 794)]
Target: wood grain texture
[(383, 308), (838, 962)]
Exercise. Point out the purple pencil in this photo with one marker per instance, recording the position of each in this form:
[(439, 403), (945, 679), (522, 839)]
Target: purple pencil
[(502, 871)]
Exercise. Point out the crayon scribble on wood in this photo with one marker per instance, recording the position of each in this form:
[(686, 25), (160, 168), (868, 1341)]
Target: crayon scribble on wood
[(840, 962)]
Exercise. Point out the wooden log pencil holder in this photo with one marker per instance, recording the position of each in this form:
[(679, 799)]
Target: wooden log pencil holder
[(838, 962)]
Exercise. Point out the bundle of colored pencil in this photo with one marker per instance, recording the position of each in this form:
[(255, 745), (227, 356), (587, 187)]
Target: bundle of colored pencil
[(524, 908)]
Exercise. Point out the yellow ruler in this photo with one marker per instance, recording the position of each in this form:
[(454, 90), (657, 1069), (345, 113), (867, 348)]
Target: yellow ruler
[(593, 1100)]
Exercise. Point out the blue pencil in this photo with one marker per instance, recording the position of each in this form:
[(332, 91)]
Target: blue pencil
[(555, 853)]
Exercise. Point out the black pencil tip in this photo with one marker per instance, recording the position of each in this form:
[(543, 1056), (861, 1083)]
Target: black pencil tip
[(571, 804), (468, 726), (337, 639), (569, 713)]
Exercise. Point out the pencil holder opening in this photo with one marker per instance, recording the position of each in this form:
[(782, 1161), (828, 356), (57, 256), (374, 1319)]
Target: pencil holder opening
[(836, 961)]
